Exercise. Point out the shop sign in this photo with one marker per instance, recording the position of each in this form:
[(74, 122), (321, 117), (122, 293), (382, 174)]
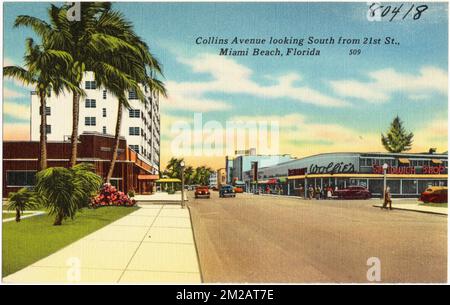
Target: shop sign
[(433, 169), (297, 172), (332, 168), (409, 170), (396, 170)]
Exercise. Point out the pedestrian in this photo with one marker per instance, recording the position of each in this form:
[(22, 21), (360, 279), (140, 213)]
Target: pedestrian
[(387, 199), (311, 192), (329, 192)]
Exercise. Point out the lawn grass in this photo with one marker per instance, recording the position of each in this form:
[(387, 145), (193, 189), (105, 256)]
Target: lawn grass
[(34, 238)]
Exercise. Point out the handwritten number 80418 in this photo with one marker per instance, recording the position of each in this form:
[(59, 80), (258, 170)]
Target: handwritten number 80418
[(403, 11)]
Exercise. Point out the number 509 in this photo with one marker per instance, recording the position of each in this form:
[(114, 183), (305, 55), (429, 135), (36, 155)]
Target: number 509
[(355, 52)]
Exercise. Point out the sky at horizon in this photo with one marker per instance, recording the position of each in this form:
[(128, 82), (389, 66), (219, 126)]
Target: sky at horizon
[(329, 103)]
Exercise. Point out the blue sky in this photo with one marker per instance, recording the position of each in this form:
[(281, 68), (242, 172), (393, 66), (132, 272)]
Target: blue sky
[(383, 81)]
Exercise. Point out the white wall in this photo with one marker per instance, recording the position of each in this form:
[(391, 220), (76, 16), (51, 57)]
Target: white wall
[(60, 119)]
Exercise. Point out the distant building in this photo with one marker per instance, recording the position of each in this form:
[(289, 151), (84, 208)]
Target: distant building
[(213, 179), (408, 174), (241, 164), (98, 114), (221, 177)]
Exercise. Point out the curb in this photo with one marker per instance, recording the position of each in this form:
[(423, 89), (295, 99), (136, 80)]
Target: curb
[(413, 210), (195, 244)]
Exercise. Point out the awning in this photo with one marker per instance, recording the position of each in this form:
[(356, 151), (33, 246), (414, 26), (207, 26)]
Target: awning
[(168, 180), (436, 161), (148, 177), (282, 179), (272, 181), (403, 160)]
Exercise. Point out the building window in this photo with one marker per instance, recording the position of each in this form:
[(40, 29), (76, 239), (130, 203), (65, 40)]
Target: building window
[(48, 110), (90, 84), (48, 129), (135, 113), (134, 131), (91, 103), (90, 121), (135, 148), (104, 112), (20, 178), (132, 95), (104, 94), (104, 129)]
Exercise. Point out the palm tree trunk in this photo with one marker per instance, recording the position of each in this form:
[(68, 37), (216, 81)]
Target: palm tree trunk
[(43, 133), (75, 120), (116, 143), (58, 219), (17, 215)]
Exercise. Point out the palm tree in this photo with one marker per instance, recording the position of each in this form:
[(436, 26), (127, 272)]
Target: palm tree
[(21, 200), (189, 174), (64, 191), (44, 69), (174, 168), (84, 175), (86, 40)]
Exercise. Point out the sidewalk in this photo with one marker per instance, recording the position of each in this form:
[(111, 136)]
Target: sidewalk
[(415, 207), (161, 197), (154, 244)]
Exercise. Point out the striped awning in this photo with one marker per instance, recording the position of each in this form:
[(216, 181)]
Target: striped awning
[(148, 177)]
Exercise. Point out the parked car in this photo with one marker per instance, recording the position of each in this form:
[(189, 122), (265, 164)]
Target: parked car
[(238, 189), (202, 192), (353, 192), (434, 194), (226, 191)]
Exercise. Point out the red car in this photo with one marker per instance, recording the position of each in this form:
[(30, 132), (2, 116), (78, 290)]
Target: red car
[(353, 192), (434, 194), (202, 191)]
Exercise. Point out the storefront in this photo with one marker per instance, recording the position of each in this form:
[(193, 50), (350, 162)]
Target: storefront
[(131, 171), (407, 175)]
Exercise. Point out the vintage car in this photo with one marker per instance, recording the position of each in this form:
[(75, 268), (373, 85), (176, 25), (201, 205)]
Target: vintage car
[(226, 191), (434, 194), (353, 192), (238, 189), (202, 192)]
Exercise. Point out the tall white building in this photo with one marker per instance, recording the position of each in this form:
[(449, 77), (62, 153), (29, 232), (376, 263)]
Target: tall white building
[(98, 114)]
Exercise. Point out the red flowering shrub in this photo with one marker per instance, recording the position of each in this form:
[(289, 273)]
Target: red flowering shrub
[(110, 196)]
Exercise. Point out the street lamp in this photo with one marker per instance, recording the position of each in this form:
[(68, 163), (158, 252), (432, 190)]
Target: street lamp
[(385, 167), (182, 183)]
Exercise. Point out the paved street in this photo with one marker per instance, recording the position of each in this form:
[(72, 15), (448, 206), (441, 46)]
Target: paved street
[(272, 239)]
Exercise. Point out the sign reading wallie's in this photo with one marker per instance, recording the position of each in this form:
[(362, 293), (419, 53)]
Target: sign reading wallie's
[(409, 170), (330, 168)]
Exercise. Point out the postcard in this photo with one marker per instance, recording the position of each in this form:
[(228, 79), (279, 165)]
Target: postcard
[(225, 142)]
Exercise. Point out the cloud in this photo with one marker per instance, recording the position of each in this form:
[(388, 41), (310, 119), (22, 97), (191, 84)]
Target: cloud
[(9, 93), (179, 98), (432, 134), (383, 83), (17, 111), (230, 77), (16, 131)]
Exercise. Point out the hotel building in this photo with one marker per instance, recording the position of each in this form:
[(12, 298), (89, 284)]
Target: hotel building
[(98, 115)]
